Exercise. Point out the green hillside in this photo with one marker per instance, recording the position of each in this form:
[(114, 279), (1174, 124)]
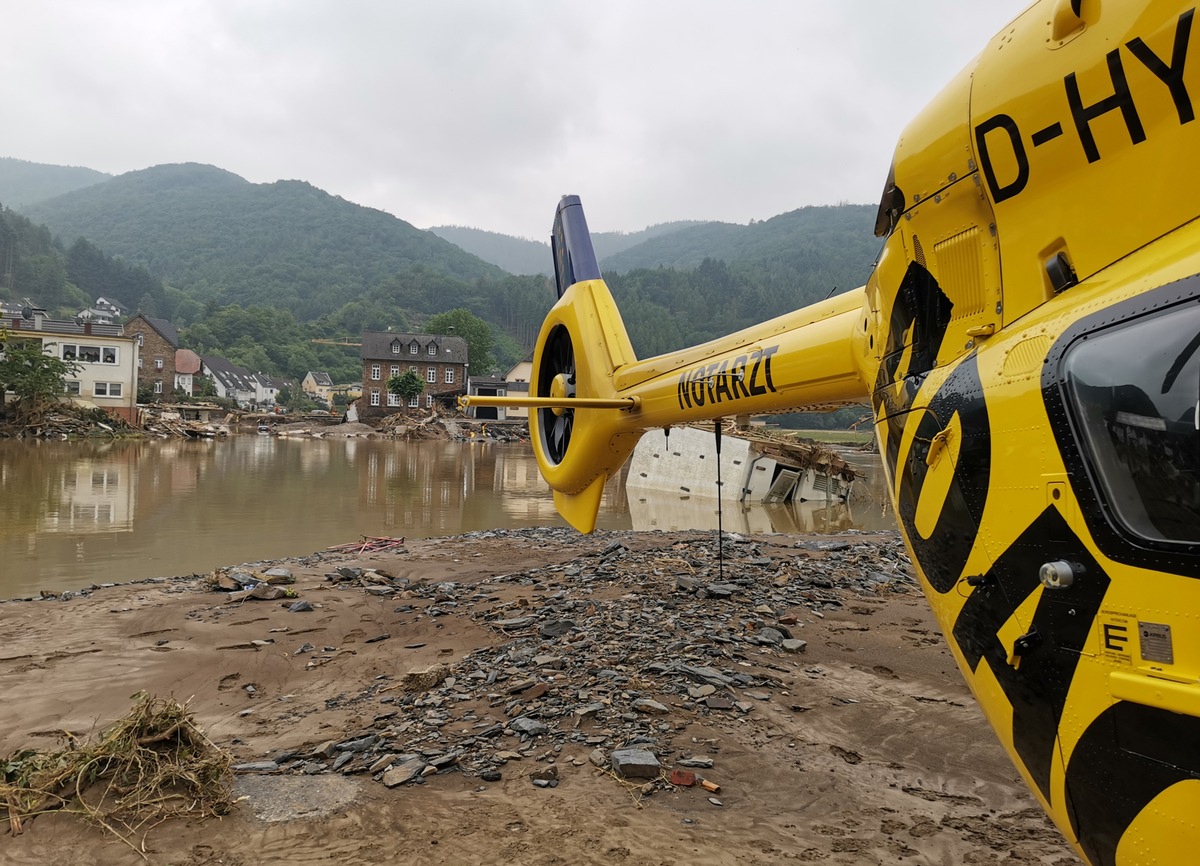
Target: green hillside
[(23, 183), (712, 279), (224, 240), (782, 239)]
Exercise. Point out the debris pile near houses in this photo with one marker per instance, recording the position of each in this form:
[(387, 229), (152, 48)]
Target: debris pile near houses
[(66, 421), (412, 428)]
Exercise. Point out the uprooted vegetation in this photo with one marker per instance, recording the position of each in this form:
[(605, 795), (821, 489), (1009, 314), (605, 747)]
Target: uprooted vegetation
[(153, 764)]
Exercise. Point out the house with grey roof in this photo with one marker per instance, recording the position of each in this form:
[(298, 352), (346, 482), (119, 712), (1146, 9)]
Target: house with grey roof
[(318, 385), (103, 358), (230, 381), (439, 360), (159, 341)]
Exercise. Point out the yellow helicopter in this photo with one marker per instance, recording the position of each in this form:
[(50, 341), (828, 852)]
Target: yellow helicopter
[(1029, 341)]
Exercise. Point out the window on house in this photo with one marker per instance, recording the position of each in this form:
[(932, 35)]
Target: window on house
[(158, 387), (374, 396), (158, 363), (395, 369), (141, 340), (450, 376), (81, 353), (431, 375), (413, 402), (395, 348), (108, 355), (412, 349), (140, 360), (428, 401), (72, 387), (432, 349), (107, 389), (393, 399), (375, 372)]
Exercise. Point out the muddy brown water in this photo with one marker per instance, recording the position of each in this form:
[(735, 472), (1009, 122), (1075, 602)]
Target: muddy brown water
[(77, 513)]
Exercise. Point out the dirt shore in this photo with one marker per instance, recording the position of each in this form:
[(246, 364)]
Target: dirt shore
[(801, 675)]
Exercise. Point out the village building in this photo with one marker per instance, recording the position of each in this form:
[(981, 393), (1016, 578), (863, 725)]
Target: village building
[(159, 340), (113, 308), (317, 385), (106, 359), (440, 360), (187, 372), (516, 384), (488, 386), (230, 381)]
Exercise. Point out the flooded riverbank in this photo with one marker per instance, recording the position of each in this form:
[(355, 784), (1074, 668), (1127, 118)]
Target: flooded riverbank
[(77, 513)]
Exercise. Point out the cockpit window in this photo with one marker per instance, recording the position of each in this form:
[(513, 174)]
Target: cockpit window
[(891, 205), (1134, 390)]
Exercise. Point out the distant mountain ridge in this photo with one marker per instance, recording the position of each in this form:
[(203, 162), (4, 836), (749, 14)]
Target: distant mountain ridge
[(524, 256), (23, 183)]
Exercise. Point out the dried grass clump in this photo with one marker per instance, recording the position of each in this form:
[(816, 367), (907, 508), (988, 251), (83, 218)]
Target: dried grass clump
[(153, 764)]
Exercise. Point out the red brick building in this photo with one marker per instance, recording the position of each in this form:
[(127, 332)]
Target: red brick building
[(158, 339)]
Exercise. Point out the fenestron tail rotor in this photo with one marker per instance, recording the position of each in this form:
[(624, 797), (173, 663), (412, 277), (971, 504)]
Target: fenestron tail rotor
[(556, 378)]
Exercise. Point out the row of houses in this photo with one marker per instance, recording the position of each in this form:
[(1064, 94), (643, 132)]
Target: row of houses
[(116, 361)]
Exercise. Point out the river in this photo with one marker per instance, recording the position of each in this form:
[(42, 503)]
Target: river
[(77, 513)]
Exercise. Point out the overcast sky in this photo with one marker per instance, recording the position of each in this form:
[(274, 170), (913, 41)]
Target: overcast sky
[(484, 112)]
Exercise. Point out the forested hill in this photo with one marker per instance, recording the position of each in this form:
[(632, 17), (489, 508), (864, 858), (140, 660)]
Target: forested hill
[(222, 239), (523, 256), (842, 230), (23, 183), (692, 285)]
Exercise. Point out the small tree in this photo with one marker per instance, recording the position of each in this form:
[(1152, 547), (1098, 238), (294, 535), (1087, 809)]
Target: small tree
[(475, 331), (35, 377), (406, 386)]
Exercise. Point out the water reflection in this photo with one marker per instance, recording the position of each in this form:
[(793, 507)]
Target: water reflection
[(72, 514)]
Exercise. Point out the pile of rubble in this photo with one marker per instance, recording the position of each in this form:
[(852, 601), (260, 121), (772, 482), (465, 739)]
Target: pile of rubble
[(411, 428), (66, 421), (612, 654)]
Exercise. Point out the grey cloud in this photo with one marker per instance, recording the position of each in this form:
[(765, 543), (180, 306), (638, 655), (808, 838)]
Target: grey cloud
[(484, 113)]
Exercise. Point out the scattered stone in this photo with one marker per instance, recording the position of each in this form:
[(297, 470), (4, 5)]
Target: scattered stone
[(696, 763), (382, 764), (425, 679), (529, 727), (635, 764), (555, 628), (359, 745), (300, 607), (794, 646), (256, 767), (405, 772)]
